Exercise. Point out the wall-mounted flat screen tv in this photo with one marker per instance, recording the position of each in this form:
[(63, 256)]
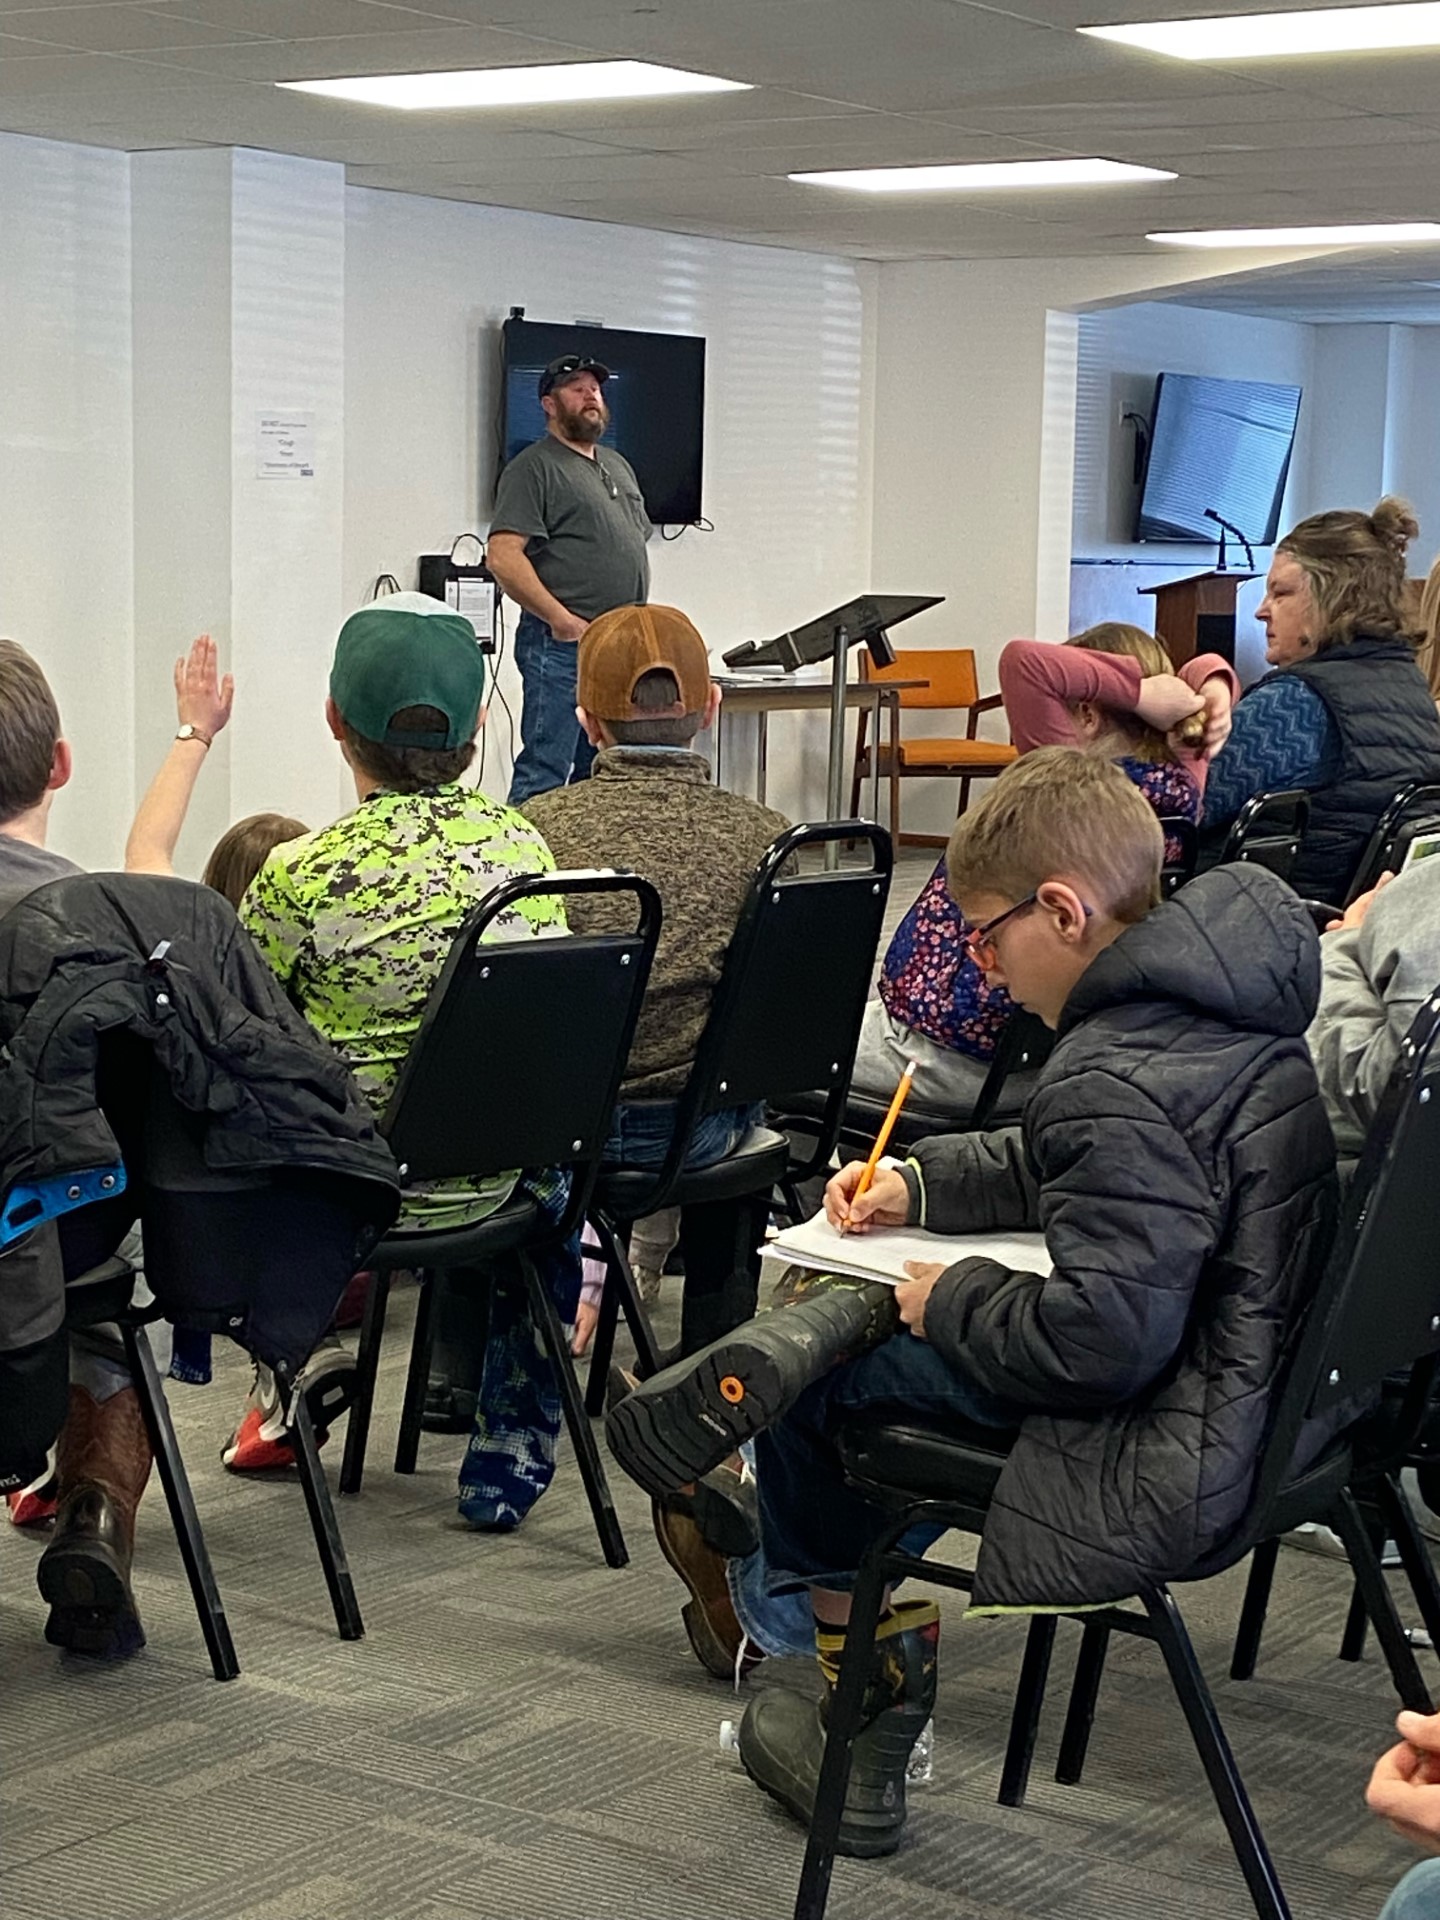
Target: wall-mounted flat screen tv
[(655, 393), (1223, 444)]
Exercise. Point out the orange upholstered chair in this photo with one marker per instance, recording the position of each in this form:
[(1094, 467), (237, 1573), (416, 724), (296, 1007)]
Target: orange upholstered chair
[(951, 686)]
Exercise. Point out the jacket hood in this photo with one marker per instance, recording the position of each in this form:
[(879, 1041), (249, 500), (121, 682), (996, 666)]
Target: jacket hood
[(1236, 944)]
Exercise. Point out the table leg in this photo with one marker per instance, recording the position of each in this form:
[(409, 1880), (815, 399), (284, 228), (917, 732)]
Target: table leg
[(894, 766), (875, 756)]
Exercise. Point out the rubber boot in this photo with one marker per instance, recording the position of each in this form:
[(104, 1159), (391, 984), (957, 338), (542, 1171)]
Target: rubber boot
[(782, 1736), (84, 1573), (677, 1425)]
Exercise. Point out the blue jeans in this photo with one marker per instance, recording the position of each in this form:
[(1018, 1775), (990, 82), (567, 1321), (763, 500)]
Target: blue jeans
[(815, 1527), (553, 750), (510, 1460), (1418, 1895), (720, 1239)]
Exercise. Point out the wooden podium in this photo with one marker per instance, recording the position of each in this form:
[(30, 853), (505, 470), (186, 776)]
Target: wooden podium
[(1197, 615)]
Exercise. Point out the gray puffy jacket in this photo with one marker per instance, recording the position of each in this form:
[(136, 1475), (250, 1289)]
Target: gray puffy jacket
[(1177, 1157)]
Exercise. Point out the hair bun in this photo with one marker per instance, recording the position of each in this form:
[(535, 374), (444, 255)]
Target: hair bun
[(1395, 523)]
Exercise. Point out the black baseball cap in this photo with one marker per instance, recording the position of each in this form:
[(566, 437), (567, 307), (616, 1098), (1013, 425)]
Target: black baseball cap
[(566, 367)]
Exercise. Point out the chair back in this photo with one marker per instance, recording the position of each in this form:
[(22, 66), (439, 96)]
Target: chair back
[(1182, 851), (1024, 1047), (521, 1048), (786, 1014), (949, 673), (1268, 831), (1414, 811), (1376, 1311)]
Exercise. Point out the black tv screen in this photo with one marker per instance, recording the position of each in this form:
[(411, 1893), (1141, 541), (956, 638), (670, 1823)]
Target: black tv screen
[(655, 393), (1223, 444)]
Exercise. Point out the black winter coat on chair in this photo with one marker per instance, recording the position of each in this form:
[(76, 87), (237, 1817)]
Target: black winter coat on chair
[(151, 1068)]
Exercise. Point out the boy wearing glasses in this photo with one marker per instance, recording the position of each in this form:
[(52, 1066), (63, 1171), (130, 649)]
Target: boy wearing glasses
[(567, 543), (1176, 1156)]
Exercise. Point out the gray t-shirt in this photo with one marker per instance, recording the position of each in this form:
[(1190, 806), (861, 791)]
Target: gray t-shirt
[(23, 868), (584, 521)]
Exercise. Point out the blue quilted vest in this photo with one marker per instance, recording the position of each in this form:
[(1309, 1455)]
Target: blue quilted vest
[(1389, 735)]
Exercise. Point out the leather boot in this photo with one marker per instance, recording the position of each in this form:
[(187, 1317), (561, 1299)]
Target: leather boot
[(102, 1466), (782, 1736), (677, 1425)]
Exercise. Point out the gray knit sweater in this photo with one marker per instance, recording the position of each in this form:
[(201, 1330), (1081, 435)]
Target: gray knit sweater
[(1374, 978), (657, 811)]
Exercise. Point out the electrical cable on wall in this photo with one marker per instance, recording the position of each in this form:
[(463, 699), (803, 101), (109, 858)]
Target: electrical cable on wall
[(702, 525)]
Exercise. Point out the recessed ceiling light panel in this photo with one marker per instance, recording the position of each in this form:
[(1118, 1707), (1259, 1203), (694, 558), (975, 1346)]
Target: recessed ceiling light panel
[(1404, 232), (519, 86), (1257, 36), (983, 178)]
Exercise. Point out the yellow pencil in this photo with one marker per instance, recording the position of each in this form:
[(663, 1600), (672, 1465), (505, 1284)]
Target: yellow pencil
[(882, 1139)]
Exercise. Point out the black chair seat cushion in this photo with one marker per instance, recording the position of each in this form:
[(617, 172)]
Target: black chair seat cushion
[(517, 1222), (898, 1459), (758, 1162), (863, 1116), (103, 1294)]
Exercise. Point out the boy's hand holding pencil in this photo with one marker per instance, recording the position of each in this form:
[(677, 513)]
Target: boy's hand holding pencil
[(866, 1194)]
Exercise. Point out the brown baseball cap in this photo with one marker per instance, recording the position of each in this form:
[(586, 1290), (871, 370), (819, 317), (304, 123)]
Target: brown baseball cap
[(625, 643)]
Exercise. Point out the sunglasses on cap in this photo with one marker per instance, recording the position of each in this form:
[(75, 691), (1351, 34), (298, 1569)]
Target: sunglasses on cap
[(567, 366)]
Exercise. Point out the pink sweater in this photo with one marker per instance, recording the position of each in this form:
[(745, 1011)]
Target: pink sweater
[(1040, 682)]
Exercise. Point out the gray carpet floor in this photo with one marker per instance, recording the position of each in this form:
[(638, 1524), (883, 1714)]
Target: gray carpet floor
[(524, 1734)]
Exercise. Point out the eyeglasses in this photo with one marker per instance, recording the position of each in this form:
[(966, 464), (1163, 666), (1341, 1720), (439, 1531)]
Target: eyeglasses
[(979, 941)]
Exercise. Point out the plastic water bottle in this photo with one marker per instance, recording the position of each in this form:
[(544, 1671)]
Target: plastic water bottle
[(920, 1768)]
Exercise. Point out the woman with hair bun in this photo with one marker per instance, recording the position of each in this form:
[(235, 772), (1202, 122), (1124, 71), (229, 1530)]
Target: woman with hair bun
[(1346, 713)]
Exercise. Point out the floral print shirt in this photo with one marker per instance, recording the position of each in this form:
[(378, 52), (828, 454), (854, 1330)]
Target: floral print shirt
[(927, 980)]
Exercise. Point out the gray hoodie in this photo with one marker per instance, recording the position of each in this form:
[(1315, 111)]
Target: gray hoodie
[(1373, 980)]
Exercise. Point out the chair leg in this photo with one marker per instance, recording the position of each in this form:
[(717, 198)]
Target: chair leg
[(417, 1374), (1380, 1605), (1215, 1756), (367, 1364), (602, 1347), (1254, 1609), (582, 1434), (321, 1510), (181, 1502), (1080, 1714), (1357, 1621), (846, 1707), (1025, 1716), (1414, 1555)]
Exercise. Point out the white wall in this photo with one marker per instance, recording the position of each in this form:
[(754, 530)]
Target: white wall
[(787, 453), (65, 464)]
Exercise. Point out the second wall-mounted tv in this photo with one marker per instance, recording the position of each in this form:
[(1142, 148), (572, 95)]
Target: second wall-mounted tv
[(1222, 444), (656, 397)]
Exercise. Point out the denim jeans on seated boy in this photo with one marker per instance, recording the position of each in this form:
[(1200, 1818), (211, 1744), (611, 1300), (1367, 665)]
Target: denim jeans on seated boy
[(510, 1460), (718, 1238), (814, 1526)]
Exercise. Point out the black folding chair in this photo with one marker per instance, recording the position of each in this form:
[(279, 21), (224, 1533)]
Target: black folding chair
[(1182, 852), (785, 1017), (1376, 1311), (1268, 831), (517, 1063), (1414, 811)]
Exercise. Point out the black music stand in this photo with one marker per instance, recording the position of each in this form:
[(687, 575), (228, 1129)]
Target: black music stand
[(860, 622)]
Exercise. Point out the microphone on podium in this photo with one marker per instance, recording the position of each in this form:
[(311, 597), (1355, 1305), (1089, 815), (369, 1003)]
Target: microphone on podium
[(1228, 526)]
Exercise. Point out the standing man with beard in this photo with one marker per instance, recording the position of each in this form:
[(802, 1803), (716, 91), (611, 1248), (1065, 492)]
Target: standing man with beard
[(567, 541)]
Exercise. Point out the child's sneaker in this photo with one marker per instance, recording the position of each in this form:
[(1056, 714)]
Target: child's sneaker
[(259, 1444), (34, 1506)]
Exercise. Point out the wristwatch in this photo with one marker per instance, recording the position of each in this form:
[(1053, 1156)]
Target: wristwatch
[(187, 732)]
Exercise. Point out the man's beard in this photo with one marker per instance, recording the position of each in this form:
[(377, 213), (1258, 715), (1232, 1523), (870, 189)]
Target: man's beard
[(580, 425)]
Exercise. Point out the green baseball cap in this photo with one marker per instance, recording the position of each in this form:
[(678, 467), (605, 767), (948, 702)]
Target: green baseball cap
[(388, 658)]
